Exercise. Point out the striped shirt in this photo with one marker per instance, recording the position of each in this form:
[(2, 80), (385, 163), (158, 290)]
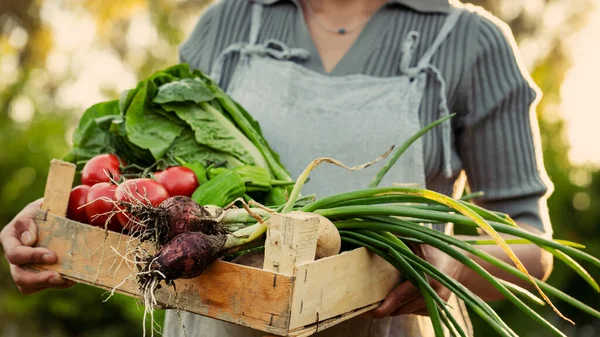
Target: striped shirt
[(495, 139)]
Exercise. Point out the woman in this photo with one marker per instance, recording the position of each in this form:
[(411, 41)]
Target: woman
[(347, 79)]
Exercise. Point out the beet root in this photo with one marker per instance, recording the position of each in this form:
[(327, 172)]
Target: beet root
[(187, 255), (185, 215), (173, 216)]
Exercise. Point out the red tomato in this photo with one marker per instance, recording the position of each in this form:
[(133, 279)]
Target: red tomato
[(178, 180), (98, 211), (141, 189), (100, 169), (77, 199)]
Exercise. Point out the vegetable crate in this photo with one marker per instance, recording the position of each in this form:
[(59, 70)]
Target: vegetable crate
[(293, 295)]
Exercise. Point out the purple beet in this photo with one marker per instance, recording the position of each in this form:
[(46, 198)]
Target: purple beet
[(187, 255)]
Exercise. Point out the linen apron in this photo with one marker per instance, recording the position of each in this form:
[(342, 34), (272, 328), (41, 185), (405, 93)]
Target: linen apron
[(305, 115)]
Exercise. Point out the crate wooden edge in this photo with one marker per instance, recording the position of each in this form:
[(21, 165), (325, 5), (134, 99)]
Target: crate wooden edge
[(322, 325), (284, 267), (247, 296), (340, 284)]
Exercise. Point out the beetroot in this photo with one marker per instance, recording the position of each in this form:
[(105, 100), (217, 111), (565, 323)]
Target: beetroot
[(187, 255), (173, 216), (185, 215)]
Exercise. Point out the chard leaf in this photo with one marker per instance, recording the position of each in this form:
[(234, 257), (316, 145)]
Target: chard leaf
[(92, 136), (145, 127), (170, 116), (216, 131), (125, 99), (251, 129), (187, 89), (187, 148), (125, 149)]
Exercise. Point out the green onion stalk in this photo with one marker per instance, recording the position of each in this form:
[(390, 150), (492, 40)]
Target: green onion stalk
[(385, 220)]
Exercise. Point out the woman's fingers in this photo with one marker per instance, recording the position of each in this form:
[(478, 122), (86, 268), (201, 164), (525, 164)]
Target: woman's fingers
[(410, 307), (30, 281), (17, 239), (400, 296), (29, 226), (29, 291), (20, 255)]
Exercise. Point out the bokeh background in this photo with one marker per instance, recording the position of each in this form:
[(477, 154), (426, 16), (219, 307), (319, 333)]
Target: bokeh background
[(59, 57)]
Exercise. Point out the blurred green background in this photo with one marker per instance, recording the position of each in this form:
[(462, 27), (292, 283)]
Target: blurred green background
[(58, 57)]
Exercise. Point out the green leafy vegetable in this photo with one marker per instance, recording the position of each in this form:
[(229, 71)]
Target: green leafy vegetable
[(187, 148), (91, 136), (188, 89), (180, 113), (214, 130)]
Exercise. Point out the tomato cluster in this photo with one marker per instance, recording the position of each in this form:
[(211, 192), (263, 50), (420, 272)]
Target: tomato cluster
[(96, 200)]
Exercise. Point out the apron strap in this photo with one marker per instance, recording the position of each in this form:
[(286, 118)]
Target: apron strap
[(446, 126), (255, 22), (447, 27), (271, 47), (424, 65)]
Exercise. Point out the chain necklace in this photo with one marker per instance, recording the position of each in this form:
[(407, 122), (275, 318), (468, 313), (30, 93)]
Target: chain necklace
[(341, 30)]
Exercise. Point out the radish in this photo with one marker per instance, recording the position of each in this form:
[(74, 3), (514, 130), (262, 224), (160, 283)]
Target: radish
[(329, 241)]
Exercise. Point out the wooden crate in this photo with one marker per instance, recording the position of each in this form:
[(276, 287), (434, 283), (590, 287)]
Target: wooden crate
[(293, 295)]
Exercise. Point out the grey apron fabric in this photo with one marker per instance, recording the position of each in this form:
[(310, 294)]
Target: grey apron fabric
[(354, 119)]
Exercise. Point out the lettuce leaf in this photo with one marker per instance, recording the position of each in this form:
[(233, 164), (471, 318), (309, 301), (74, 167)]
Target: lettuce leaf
[(187, 148), (91, 137), (175, 112), (215, 131)]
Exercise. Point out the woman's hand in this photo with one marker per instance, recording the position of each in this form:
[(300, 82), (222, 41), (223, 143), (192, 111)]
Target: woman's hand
[(17, 240), (407, 299)]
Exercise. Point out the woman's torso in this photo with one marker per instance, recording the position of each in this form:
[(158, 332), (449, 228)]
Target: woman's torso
[(376, 52)]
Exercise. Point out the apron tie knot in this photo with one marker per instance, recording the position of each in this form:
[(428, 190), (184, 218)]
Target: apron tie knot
[(408, 49), (271, 47), (281, 51)]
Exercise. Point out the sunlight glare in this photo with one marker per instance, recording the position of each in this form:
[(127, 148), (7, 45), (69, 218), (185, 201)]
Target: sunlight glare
[(21, 109), (71, 30), (142, 33), (18, 37), (96, 74), (579, 94)]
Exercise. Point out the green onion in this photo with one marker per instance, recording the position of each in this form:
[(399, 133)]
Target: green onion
[(404, 147), (447, 239), (461, 258), (481, 308), (569, 261)]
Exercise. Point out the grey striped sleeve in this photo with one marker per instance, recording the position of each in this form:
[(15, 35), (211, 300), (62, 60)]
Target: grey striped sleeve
[(500, 144), (223, 23)]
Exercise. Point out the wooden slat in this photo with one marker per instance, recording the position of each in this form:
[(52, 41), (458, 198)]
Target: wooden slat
[(291, 240), (338, 284), (58, 187), (247, 296), (322, 325), (328, 323)]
